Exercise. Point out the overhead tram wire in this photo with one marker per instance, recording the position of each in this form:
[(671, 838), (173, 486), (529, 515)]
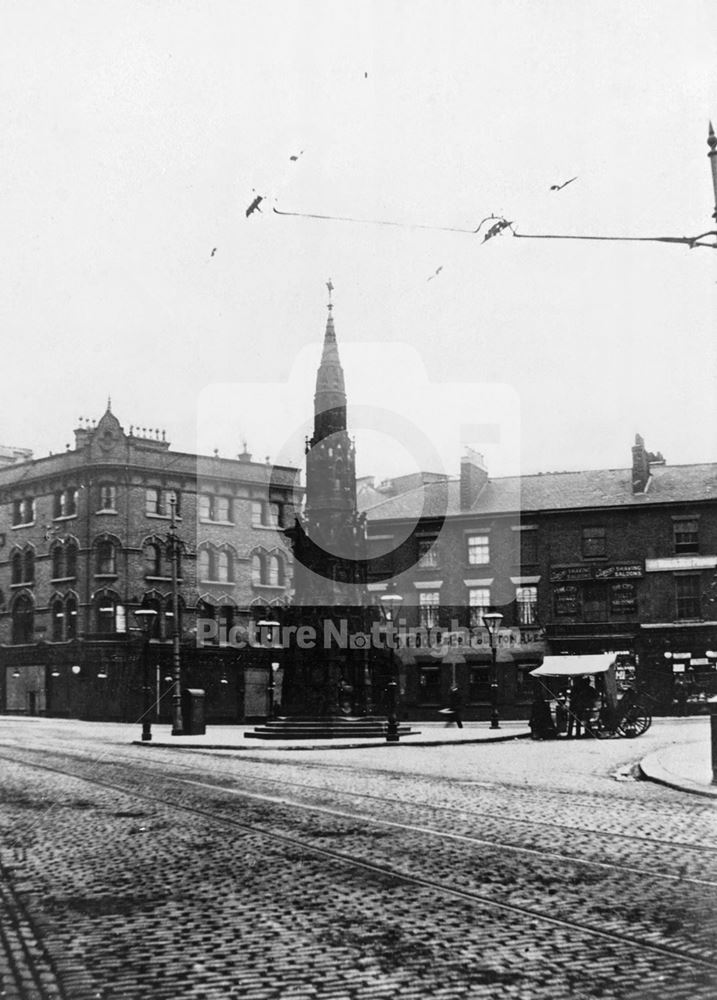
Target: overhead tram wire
[(689, 241)]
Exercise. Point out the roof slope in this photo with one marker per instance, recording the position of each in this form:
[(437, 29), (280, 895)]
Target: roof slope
[(554, 491)]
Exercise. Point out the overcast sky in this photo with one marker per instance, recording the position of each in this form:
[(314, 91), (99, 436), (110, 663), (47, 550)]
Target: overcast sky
[(137, 133)]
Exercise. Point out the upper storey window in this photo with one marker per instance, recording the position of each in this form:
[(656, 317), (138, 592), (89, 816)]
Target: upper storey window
[(158, 502), (65, 503), (594, 546), (686, 536), (23, 511), (478, 550)]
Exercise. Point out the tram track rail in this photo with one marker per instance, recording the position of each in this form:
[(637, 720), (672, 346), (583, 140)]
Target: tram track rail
[(442, 888)]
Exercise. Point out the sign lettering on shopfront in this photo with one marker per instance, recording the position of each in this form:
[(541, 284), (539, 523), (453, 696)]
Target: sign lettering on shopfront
[(620, 571)]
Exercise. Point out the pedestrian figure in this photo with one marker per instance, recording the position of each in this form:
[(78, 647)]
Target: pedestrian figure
[(680, 696), (454, 702), (561, 714), (582, 704), (541, 723)]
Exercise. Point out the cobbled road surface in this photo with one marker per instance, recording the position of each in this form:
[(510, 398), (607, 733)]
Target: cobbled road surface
[(523, 870)]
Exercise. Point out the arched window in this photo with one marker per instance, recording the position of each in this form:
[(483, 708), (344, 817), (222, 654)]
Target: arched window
[(58, 620), (151, 603), (70, 559), (71, 618), (275, 572), (106, 558), (29, 565), (105, 613), (16, 567), (223, 566), (204, 565), (58, 563), (257, 569), (152, 560), (23, 620)]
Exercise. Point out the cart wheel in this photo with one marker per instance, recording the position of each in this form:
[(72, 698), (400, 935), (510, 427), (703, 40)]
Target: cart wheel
[(636, 721)]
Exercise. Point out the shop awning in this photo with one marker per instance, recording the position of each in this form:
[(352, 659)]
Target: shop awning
[(573, 666)]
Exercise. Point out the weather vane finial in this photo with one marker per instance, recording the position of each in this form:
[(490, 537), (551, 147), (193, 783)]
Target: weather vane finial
[(330, 287)]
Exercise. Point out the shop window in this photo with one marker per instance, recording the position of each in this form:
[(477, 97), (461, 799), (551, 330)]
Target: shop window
[(428, 604), (23, 620), (478, 550), (427, 553), (478, 605), (687, 596), (686, 536), (623, 598), (594, 546), (525, 685), (566, 599), (526, 599), (479, 684), (429, 685), (594, 602)]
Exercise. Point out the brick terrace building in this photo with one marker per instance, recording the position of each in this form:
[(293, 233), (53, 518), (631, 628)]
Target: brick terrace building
[(84, 543), (614, 560)]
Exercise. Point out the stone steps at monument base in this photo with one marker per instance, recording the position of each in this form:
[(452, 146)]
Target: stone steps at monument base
[(324, 729)]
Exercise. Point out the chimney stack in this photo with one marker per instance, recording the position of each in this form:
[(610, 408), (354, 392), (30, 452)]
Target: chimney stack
[(640, 466), (474, 476)]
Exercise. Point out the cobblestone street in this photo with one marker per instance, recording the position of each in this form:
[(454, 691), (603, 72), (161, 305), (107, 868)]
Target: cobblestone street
[(516, 869)]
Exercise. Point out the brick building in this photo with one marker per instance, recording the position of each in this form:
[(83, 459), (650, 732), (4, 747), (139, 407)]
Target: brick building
[(84, 542), (614, 560)]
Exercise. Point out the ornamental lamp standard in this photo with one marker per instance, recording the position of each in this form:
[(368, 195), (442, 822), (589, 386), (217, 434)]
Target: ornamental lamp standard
[(174, 546), (390, 603), (492, 620), (146, 618)]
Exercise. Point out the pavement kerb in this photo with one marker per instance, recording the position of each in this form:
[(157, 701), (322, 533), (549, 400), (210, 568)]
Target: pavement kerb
[(281, 745), (652, 769)]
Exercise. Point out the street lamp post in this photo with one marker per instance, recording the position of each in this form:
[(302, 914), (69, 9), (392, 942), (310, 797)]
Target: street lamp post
[(145, 619), (390, 601), (272, 689), (492, 620), (174, 546)]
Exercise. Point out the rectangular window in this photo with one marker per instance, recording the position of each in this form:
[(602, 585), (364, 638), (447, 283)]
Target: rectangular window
[(108, 496), (428, 602), (479, 684), (623, 598), (478, 550), (429, 685), (593, 543), (153, 501), (427, 553), (257, 512), (274, 515), (205, 507), (478, 604), (222, 509), (566, 599), (594, 602), (526, 599), (686, 534), (687, 595), (23, 511), (528, 548)]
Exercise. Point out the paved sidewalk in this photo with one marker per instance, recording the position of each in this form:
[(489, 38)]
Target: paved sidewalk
[(425, 734), (685, 766)]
